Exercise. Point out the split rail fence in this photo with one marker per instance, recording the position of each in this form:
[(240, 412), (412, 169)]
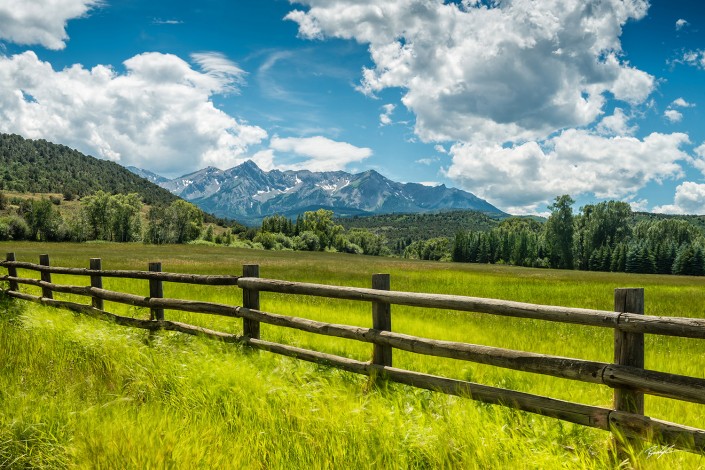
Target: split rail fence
[(626, 375)]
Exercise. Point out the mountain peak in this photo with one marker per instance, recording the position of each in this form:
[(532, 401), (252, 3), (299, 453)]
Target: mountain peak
[(249, 164), (247, 193)]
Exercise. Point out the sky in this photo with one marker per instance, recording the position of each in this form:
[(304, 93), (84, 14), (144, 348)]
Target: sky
[(516, 101)]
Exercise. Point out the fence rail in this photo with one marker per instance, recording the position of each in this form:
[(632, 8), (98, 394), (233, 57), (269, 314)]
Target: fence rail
[(626, 375)]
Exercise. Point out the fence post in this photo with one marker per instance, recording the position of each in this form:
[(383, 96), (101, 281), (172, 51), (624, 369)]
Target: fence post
[(250, 299), (156, 290), (96, 281), (628, 351), (46, 277), (381, 320), (12, 272)]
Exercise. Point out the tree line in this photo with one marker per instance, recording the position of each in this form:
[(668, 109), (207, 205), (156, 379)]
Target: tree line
[(317, 231), (601, 237), (101, 216)]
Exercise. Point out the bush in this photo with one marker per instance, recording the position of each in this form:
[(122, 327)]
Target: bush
[(307, 241), (266, 239), (284, 241), (17, 227), (4, 231)]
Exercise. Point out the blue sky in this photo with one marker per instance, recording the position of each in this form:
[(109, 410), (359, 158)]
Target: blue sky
[(517, 102)]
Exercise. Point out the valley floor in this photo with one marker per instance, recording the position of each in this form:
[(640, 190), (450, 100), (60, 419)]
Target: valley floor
[(81, 393)]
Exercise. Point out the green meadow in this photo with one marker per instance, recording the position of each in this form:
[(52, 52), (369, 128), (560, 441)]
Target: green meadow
[(76, 392)]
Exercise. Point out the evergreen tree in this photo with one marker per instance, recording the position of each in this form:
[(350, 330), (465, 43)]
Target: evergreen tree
[(639, 260), (689, 261), (559, 232)]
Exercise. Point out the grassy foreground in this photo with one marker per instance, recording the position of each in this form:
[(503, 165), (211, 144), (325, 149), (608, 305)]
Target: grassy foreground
[(77, 392)]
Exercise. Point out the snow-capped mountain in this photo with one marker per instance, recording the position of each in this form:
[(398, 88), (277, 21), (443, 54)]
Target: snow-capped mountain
[(247, 193)]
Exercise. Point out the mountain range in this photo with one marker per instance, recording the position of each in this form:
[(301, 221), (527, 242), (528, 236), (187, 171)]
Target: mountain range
[(247, 193)]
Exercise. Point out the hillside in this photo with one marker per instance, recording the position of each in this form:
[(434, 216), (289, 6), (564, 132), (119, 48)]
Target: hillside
[(38, 166), (412, 227)]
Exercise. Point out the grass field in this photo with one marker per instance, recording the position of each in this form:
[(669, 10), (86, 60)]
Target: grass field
[(77, 392)]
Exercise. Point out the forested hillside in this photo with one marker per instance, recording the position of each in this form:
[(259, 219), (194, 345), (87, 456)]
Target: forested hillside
[(400, 230), (38, 166)]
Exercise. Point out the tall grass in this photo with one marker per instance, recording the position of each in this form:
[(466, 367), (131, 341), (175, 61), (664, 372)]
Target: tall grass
[(77, 392)]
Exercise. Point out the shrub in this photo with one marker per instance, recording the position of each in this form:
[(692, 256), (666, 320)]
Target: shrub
[(307, 241)]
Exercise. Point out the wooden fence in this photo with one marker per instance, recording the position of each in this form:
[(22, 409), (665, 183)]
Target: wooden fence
[(626, 375)]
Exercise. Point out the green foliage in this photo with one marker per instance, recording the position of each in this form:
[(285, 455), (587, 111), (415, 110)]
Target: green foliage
[(112, 217), (559, 232), (321, 223), (368, 242), (38, 166), (42, 219), (600, 227), (14, 228), (401, 229), (603, 237), (307, 241), (689, 261), (435, 249), (180, 222)]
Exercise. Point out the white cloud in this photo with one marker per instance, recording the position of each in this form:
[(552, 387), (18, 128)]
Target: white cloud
[(427, 161), (692, 58), (681, 103), (160, 21), (673, 115), (521, 178), (320, 153), (440, 149), (513, 71), (699, 160), (385, 118), (41, 22), (222, 69), (158, 114), (700, 150), (640, 205), (681, 23), (616, 124), (689, 199)]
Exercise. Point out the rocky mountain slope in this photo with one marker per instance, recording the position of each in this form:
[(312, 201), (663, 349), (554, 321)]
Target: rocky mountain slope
[(247, 193)]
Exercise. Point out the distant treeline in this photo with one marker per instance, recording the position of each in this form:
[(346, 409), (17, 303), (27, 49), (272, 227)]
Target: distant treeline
[(601, 237), (401, 230)]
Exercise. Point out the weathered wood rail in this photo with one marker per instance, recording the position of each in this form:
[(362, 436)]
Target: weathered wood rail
[(626, 375)]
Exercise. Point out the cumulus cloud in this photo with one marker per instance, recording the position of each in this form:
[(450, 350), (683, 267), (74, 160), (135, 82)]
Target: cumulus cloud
[(385, 118), (616, 124), (681, 23), (522, 177), (158, 114), (689, 199), (509, 72), (673, 115), (681, 103), (41, 22), (319, 153)]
